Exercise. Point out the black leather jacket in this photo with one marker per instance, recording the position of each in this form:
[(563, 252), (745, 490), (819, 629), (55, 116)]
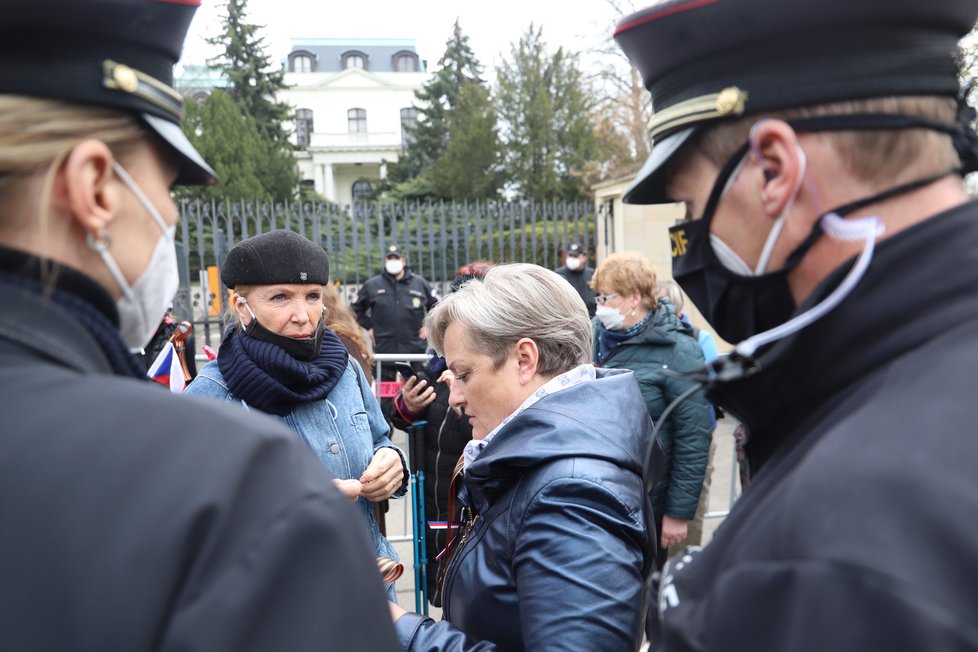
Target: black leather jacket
[(563, 542)]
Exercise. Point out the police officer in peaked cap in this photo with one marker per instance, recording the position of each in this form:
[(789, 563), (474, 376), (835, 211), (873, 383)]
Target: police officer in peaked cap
[(819, 147), (134, 519)]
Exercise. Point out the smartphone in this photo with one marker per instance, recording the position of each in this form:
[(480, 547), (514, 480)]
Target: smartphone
[(404, 369)]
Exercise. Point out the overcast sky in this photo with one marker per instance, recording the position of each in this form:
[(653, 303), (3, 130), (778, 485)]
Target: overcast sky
[(491, 25)]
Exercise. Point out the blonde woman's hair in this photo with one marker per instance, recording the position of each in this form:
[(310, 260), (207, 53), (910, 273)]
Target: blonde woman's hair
[(512, 302), (38, 134), (340, 318), (625, 273)]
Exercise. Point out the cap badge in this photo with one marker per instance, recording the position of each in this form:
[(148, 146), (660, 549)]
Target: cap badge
[(731, 100), (125, 77), (303, 276)]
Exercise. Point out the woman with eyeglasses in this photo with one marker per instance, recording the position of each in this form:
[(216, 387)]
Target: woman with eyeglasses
[(635, 330)]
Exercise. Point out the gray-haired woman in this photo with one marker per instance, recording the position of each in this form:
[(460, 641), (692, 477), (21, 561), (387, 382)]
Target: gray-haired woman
[(556, 532)]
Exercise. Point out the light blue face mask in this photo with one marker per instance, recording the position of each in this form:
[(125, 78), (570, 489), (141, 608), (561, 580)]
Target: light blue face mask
[(142, 304)]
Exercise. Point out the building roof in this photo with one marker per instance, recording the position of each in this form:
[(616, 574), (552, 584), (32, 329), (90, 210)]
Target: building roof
[(380, 52)]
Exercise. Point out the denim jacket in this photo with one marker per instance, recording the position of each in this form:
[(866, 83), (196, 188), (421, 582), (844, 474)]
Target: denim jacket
[(344, 430)]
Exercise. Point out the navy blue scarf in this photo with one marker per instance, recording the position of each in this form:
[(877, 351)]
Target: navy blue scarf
[(608, 340), (265, 377)]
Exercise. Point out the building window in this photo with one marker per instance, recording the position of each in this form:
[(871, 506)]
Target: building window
[(355, 60), (357, 121), (409, 118), (405, 62), (301, 62), (361, 191), (303, 127)]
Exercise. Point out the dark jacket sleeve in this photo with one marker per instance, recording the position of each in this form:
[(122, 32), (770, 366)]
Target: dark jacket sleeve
[(361, 307), (691, 434), (578, 559), (292, 572)]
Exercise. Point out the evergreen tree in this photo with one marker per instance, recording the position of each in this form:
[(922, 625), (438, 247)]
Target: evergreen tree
[(230, 141), (255, 80), (545, 113), (436, 102), (469, 166)]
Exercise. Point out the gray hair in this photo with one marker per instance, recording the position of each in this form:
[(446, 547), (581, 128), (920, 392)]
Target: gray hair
[(670, 289), (516, 301)]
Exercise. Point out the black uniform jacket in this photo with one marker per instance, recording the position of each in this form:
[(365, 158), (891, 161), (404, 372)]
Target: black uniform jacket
[(859, 529), (135, 519), (395, 310), (580, 280)]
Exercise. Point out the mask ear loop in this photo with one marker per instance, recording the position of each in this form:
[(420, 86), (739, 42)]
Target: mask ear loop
[(775, 232), (868, 228)]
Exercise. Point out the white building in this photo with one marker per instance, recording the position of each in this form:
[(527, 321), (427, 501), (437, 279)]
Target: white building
[(353, 99)]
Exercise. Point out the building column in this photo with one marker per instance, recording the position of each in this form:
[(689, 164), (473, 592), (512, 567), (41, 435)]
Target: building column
[(329, 184), (383, 171)]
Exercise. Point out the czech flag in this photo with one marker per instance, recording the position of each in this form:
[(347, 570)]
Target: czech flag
[(166, 369)]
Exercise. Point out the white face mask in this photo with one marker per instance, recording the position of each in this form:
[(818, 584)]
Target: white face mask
[(394, 266), (610, 317), (144, 303), (573, 263)]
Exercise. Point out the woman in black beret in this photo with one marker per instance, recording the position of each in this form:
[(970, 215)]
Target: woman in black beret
[(135, 518), (278, 356)]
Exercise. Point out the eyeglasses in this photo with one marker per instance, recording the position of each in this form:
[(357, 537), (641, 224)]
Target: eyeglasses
[(601, 299)]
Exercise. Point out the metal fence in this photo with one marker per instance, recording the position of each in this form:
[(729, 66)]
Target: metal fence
[(437, 238)]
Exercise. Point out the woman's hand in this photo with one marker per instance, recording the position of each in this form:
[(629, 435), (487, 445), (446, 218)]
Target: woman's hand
[(349, 488), (417, 395), (673, 531), (383, 476)]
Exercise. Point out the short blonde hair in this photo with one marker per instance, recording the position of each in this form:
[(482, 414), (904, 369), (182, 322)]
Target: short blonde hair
[(516, 301), (626, 273), (871, 156)]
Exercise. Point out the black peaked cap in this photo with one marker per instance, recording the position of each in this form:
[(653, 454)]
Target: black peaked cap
[(279, 256), (706, 61), (117, 54)]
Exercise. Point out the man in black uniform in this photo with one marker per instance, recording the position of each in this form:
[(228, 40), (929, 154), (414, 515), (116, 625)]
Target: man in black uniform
[(392, 306), (132, 518), (819, 146), (578, 274)]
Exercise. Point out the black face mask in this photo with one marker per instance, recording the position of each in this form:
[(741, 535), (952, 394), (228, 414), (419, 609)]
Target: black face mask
[(304, 349), (739, 306), (736, 306)]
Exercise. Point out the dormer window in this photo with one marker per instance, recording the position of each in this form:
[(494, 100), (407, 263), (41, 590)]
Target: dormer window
[(302, 62), (406, 62), (354, 60)]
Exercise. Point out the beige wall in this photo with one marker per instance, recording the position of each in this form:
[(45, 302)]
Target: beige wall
[(628, 227)]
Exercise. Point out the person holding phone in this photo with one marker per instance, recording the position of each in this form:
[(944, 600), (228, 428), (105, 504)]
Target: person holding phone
[(445, 433)]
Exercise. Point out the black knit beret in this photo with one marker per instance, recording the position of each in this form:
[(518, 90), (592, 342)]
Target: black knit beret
[(279, 256)]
